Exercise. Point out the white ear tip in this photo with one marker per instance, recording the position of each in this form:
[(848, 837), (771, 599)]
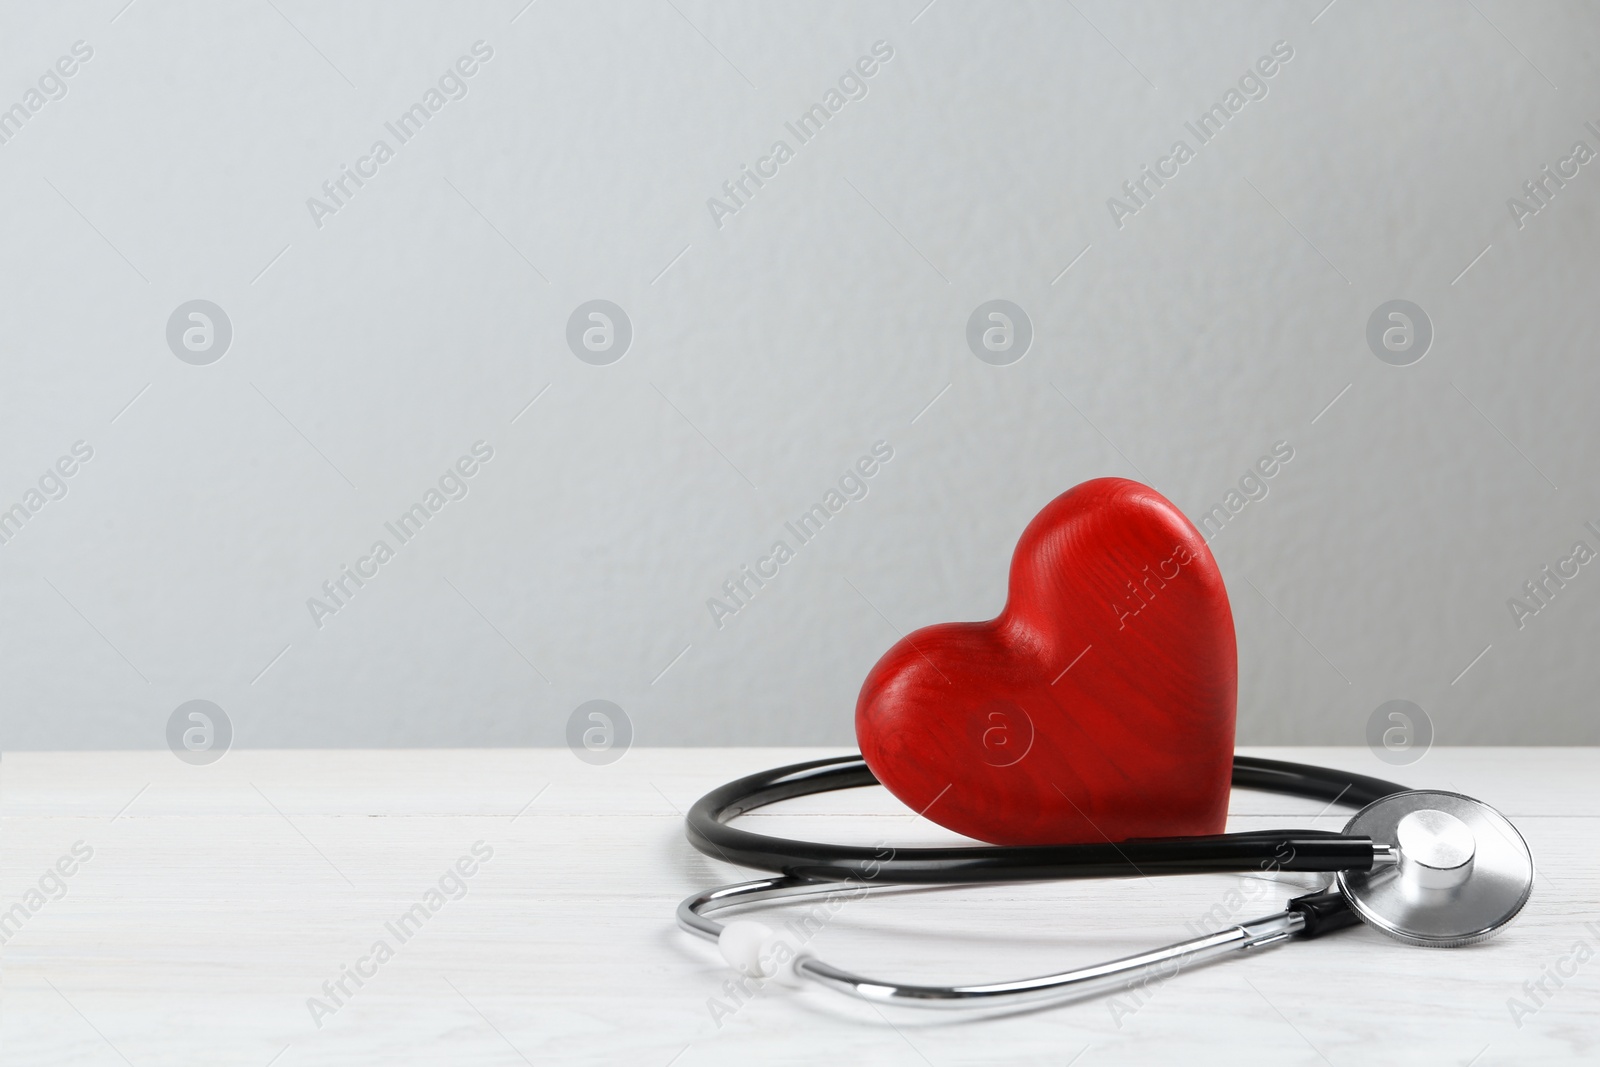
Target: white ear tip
[(743, 943)]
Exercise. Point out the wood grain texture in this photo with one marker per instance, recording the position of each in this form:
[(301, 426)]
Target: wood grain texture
[(221, 898), (1097, 706)]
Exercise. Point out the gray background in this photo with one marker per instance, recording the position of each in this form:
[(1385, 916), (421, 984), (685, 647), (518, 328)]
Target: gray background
[(768, 354)]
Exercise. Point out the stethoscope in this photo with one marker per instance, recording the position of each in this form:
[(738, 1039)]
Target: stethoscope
[(1426, 867)]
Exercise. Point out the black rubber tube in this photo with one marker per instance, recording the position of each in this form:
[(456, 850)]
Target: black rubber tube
[(1288, 850)]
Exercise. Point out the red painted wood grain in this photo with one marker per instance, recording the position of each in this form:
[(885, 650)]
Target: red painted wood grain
[(1098, 706)]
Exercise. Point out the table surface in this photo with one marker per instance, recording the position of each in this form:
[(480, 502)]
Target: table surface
[(211, 913)]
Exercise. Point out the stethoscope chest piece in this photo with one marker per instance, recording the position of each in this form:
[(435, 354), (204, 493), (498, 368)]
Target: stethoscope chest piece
[(1461, 870)]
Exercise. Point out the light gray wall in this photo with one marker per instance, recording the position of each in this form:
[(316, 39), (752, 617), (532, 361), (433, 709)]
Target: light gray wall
[(769, 352)]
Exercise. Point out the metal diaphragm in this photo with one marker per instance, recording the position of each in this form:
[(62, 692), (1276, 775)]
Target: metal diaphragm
[(1463, 873)]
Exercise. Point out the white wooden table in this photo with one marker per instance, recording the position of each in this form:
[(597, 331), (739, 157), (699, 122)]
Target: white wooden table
[(218, 901)]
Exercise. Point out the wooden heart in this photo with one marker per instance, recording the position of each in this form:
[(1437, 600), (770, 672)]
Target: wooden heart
[(1098, 706)]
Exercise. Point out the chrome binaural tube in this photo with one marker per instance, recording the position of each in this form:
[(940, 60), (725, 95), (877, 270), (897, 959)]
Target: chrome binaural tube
[(1142, 968)]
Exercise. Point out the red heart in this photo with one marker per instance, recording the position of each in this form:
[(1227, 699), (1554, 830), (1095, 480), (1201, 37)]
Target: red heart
[(1098, 706)]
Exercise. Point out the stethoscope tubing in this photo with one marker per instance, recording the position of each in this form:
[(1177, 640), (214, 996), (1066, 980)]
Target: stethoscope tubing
[(1287, 850), (808, 869)]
